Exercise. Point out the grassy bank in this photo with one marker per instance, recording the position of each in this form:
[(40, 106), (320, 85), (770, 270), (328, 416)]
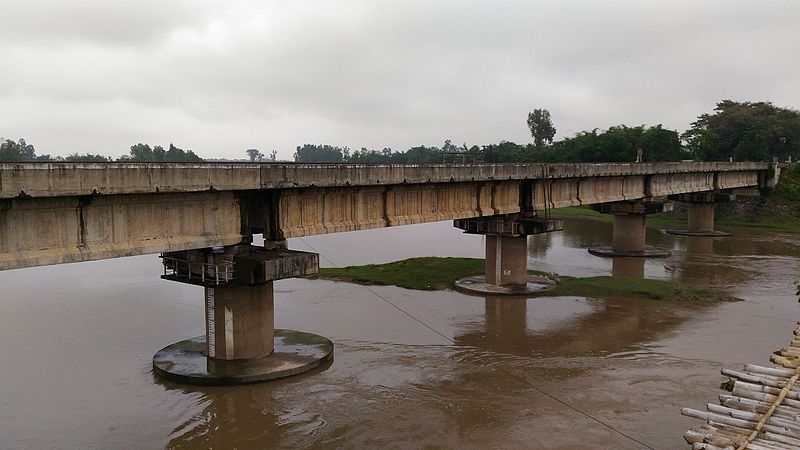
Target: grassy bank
[(768, 221), (789, 183), (440, 273)]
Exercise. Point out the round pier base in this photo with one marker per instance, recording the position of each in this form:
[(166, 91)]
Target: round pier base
[(295, 352), (697, 233), (649, 252), (477, 285)]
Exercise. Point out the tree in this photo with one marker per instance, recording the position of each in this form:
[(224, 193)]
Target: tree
[(143, 152), (318, 154), (87, 158), (16, 151), (159, 154), (745, 131), (541, 126), (619, 143), (273, 156), (178, 154), (254, 154)]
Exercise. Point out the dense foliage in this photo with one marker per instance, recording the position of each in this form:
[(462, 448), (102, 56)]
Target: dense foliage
[(16, 151), (619, 144), (615, 144), (22, 151), (143, 152), (789, 185), (745, 132)]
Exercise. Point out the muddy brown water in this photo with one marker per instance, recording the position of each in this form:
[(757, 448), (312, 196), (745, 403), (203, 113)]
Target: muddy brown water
[(77, 341)]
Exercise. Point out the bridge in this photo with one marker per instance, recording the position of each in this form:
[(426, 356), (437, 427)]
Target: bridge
[(202, 218)]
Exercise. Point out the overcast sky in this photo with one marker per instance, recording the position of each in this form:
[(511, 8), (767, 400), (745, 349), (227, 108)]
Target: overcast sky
[(219, 77)]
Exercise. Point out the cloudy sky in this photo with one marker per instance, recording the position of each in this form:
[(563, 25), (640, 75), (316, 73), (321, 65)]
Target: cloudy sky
[(219, 77)]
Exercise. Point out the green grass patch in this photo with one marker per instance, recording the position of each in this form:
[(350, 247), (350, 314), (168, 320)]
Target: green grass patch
[(415, 273), (766, 223), (580, 212), (441, 273), (789, 183), (583, 212), (776, 223)]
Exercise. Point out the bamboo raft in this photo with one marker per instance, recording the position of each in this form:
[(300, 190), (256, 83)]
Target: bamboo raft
[(762, 411)]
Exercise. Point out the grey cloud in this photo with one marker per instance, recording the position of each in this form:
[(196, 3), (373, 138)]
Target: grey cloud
[(277, 74)]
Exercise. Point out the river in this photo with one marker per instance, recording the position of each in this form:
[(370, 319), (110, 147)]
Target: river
[(441, 369)]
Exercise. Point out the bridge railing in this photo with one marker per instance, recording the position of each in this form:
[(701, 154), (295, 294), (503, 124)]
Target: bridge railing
[(197, 272)]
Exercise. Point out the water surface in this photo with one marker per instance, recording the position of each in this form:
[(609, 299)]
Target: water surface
[(445, 369)]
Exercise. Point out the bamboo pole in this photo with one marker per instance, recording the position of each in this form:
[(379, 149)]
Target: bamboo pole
[(762, 423)]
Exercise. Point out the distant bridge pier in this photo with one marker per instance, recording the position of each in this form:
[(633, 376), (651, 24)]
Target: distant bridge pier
[(241, 344), (700, 213), (506, 254), (630, 229)]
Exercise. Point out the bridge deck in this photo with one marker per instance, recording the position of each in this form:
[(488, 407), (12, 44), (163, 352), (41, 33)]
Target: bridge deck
[(73, 179), (53, 213)]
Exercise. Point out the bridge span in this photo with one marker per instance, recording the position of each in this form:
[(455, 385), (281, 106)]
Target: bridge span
[(59, 212), (202, 218)]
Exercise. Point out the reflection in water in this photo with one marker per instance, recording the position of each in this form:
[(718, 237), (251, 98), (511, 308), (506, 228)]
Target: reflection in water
[(224, 417), (570, 326), (540, 244), (627, 267), (700, 263), (700, 245)]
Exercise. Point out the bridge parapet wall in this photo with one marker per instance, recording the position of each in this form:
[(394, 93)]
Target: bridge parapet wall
[(76, 179), (58, 213)]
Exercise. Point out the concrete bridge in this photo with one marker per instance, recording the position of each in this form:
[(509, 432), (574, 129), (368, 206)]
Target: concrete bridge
[(202, 218)]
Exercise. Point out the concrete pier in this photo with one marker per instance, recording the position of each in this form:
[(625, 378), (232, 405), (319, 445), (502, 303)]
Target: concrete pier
[(630, 229), (700, 217), (506, 259), (700, 213), (240, 321), (629, 233), (241, 344), (506, 254)]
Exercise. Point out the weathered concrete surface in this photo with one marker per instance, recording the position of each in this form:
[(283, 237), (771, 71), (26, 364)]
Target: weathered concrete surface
[(700, 217), (59, 213), (295, 352), (240, 321), (478, 285), (69, 229), (73, 179), (628, 234), (506, 260)]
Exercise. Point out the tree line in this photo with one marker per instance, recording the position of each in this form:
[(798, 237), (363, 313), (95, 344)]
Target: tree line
[(738, 131), (23, 151)]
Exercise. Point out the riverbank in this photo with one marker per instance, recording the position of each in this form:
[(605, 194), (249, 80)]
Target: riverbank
[(434, 273), (768, 213)]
